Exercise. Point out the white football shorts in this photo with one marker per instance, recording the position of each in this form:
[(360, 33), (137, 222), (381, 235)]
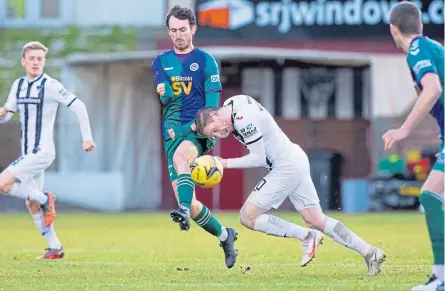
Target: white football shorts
[(28, 166), (287, 179)]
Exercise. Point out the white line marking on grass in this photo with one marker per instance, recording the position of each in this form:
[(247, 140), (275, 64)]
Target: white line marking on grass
[(206, 263)]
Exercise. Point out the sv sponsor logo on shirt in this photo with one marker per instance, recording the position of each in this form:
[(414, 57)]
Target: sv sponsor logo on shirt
[(181, 85)]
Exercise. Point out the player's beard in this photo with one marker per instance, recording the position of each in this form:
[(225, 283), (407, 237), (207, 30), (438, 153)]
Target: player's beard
[(185, 45)]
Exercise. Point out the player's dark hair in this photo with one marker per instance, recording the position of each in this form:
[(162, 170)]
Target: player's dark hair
[(182, 13), (203, 118), (406, 16)]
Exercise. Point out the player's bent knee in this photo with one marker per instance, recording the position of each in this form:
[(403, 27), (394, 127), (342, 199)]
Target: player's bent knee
[(179, 159), (186, 153), (314, 218), (248, 214), (245, 221)]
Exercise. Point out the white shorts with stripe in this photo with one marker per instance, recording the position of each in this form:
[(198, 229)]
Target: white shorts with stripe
[(31, 166), (291, 179)]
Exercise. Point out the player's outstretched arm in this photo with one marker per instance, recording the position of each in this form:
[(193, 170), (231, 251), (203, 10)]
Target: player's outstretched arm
[(426, 74), (253, 139), (78, 107), (426, 101), (255, 159)]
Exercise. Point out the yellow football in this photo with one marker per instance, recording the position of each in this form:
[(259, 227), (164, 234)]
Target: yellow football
[(207, 171)]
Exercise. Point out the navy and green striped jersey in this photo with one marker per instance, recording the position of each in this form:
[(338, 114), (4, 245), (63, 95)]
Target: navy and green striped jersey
[(427, 56), (188, 78)]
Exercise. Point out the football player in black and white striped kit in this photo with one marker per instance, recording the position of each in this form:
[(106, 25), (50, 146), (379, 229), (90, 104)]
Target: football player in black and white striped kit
[(289, 177), (36, 98)]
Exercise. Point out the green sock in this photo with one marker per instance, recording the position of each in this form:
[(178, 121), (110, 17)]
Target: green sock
[(434, 215), (186, 187), (208, 222)]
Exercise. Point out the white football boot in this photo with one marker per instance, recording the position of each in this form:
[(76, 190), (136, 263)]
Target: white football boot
[(433, 284), (310, 245), (374, 260)]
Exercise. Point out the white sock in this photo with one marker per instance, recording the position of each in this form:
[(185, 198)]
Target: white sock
[(224, 234), (341, 234), (23, 191), (52, 239), (438, 270), (48, 233), (275, 226)]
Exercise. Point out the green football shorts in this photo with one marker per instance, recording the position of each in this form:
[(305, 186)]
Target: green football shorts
[(203, 145)]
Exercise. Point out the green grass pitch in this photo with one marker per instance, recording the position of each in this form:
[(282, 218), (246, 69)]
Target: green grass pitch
[(146, 252)]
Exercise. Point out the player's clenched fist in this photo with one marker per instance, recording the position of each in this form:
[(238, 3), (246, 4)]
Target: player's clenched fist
[(160, 88), (88, 146)]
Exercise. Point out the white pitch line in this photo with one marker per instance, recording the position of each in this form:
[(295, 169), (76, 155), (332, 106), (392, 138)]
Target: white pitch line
[(253, 265)]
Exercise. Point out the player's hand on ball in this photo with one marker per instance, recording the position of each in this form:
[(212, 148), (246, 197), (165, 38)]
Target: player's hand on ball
[(160, 88), (89, 146), (394, 135), (3, 112), (223, 162)]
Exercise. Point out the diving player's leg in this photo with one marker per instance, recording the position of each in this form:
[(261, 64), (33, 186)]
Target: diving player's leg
[(270, 193), (431, 198), (305, 201), (13, 181), (54, 250)]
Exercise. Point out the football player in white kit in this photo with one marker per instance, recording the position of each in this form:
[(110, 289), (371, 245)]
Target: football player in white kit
[(36, 97), (289, 176)]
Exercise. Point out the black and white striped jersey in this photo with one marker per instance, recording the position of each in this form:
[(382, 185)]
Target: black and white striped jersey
[(37, 102), (253, 125)]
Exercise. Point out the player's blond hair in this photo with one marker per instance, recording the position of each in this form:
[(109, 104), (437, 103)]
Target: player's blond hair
[(203, 118), (33, 45)]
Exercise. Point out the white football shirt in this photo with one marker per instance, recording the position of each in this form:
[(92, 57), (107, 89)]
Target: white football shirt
[(37, 102), (256, 129)]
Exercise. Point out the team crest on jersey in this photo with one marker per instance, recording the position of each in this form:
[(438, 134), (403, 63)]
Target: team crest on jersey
[(194, 67), (249, 130)]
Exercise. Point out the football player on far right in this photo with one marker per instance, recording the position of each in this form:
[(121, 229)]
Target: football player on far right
[(425, 58), (289, 176)]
